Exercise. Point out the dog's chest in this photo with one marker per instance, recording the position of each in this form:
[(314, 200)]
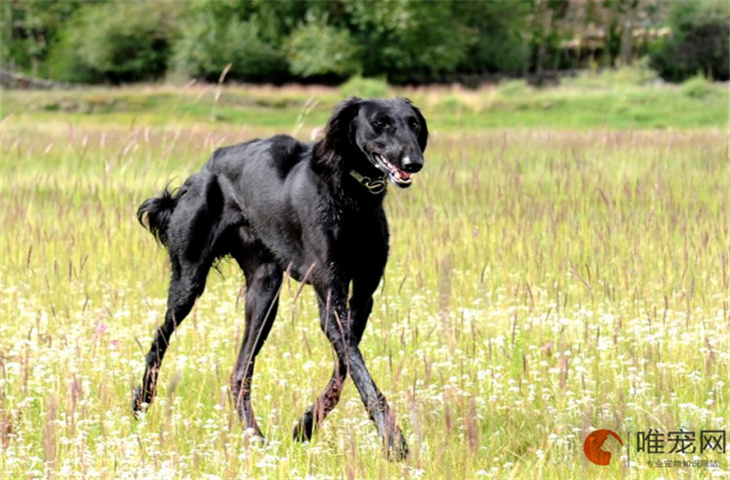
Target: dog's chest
[(361, 240)]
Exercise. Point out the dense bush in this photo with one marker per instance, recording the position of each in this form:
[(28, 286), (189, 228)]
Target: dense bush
[(28, 29), (699, 42), (364, 87), (495, 42), (637, 74), (207, 44), (114, 42), (696, 87), (318, 49), (408, 41)]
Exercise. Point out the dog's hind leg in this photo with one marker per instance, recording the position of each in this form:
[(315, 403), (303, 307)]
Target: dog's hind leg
[(263, 282), (188, 283), (191, 237)]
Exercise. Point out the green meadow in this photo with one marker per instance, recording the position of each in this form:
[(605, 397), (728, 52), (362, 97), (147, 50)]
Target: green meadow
[(559, 266)]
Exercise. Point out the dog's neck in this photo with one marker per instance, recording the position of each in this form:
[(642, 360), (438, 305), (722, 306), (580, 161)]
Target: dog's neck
[(349, 173)]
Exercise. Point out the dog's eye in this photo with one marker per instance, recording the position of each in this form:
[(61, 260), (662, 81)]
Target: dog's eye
[(415, 126), (379, 125)]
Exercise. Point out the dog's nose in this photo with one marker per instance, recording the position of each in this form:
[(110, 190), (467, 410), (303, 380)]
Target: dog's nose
[(412, 166)]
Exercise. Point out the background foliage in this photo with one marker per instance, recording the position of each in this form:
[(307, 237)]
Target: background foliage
[(699, 44), (116, 41)]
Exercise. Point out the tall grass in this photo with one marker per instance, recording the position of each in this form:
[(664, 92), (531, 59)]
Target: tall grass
[(541, 284)]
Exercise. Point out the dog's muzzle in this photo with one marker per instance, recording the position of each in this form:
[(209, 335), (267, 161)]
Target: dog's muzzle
[(397, 176)]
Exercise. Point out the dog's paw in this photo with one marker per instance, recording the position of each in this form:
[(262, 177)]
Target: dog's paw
[(303, 430), (138, 402), (254, 436), (397, 446)]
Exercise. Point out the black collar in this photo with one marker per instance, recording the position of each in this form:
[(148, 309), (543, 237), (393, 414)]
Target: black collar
[(374, 186)]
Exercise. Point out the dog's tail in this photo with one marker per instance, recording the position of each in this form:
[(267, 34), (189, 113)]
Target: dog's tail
[(154, 213)]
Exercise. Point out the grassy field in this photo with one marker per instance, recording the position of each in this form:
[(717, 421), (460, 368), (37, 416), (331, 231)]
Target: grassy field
[(587, 101), (543, 282)]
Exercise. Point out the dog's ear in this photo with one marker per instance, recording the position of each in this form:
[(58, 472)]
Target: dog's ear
[(339, 128), (337, 135), (423, 132)]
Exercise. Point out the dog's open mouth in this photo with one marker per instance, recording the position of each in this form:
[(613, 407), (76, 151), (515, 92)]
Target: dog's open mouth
[(395, 174)]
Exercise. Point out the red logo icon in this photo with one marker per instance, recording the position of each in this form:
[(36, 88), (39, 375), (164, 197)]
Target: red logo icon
[(594, 442)]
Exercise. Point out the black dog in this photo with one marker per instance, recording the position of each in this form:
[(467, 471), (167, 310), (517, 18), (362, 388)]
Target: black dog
[(314, 211)]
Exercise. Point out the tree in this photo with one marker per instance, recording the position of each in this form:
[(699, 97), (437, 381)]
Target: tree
[(497, 36), (318, 49), (698, 42), (212, 35), (114, 42), (28, 30), (545, 36), (408, 40)]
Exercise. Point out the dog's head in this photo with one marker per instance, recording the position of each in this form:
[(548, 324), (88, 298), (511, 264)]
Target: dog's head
[(377, 136)]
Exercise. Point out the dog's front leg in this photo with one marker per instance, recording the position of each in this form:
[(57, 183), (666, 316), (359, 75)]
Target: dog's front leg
[(361, 304), (337, 327)]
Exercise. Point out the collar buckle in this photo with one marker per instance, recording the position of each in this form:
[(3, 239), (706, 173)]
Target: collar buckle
[(374, 186)]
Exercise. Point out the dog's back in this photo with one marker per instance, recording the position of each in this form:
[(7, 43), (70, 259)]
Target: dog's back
[(261, 185), (279, 153)]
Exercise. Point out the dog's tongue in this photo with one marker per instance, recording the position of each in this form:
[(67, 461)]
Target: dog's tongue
[(403, 175)]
